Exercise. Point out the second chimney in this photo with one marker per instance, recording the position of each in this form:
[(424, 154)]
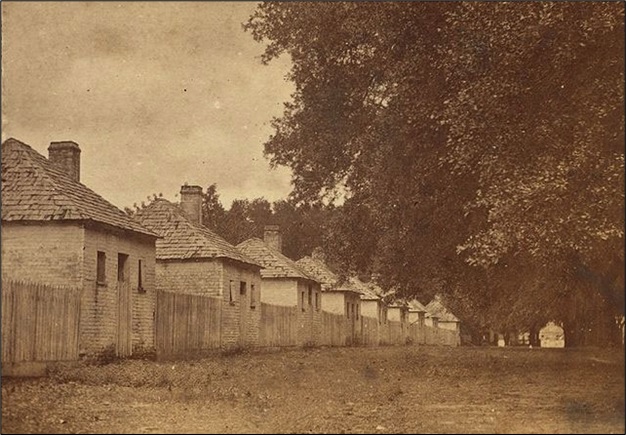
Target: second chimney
[(191, 202), (65, 155), (272, 237)]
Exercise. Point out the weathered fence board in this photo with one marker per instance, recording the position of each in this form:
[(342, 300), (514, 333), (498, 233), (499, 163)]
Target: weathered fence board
[(370, 331), (396, 333), (335, 330), (186, 323), (39, 322), (279, 325)]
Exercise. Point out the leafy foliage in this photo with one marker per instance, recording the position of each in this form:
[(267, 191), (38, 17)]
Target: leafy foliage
[(301, 226), (462, 135)]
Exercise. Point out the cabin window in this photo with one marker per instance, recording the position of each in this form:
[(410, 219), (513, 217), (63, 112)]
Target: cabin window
[(243, 288), (310, 295), (140, 277), (348, 310), (101, 274), (357, 311), (317, 301), (122, 261), (303, 305), (252, 296), (231, 293)]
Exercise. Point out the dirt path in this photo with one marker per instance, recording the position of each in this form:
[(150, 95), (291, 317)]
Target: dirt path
[(350, 390)]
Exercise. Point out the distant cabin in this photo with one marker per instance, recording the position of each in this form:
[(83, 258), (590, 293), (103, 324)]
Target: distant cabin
[(372, 304), (285, 284), (338, 297), (552, 335), (191, 259), (398, 312), (445, 318), (416, 313)]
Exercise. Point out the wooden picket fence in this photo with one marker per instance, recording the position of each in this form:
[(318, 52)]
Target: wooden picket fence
[(279, 326), (39, 322), (186, 324), (335, 330), (370, 331)]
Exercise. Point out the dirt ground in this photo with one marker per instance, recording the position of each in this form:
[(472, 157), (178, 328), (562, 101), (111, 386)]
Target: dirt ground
[(334, 390)]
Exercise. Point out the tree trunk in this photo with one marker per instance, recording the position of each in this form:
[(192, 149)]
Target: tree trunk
[(533, 337)]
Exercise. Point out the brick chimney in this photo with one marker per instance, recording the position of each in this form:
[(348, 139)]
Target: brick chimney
[(272, 237), (191, 202), (65, 155)]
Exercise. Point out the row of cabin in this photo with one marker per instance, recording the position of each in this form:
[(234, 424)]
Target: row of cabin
[(57, 231)]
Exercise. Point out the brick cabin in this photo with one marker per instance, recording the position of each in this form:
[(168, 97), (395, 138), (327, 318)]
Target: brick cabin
[(337, 297), (372, 307), (446, 320), (431, 319), (372, 303), (398, 312), (57, 231), (417, 313), (286, 284), (192, 259)]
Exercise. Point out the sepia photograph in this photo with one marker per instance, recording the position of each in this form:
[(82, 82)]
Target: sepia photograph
[(312, 217)]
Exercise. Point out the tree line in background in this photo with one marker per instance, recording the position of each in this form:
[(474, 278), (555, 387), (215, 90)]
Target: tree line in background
[(302, 225)]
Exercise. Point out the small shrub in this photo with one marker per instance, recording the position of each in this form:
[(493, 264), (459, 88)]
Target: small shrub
[(106, 356), (308, 345), (233, 350), (144, 353)]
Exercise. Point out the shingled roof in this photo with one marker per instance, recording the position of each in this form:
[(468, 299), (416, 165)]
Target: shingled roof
[(415, 305), (182, 239), (34, 189), (369, 290), (275, 264), (322, 273), (437, 308)]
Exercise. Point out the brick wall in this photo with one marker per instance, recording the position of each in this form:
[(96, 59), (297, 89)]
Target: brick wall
[(282, 292), (99, 316), (50, 253), (310, 328), (333, 302), (370, 321), (369, 308), (200, 277), (240, 321), (214, 277), (355, 319), (316, 326), (394, 314), (337, 303), (416, 318), (66, 254)]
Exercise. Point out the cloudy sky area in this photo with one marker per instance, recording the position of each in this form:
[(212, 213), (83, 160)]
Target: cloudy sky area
[(155, 93)]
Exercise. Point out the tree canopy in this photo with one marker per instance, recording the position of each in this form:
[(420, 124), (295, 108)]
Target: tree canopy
[(479, 147), (302, 225)]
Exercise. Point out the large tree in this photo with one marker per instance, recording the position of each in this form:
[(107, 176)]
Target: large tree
[(466, 134)]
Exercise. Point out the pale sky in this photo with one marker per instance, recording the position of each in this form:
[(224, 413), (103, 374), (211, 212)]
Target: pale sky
[(155, 93)]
